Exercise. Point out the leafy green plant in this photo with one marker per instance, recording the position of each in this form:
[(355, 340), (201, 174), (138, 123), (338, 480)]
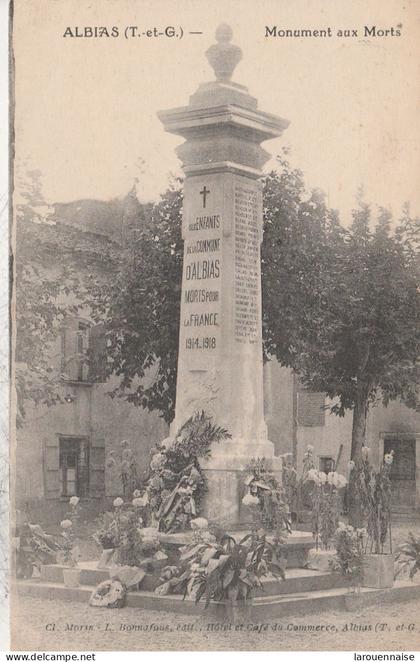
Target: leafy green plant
[(266, 499), (325, 504), (225, 569), (375, 490), (124, 462), (408, 556), (176, 483), (35, 548), (350, 545)]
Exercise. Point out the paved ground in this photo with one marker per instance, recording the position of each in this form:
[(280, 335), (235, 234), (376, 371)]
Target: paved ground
[(83, 628)]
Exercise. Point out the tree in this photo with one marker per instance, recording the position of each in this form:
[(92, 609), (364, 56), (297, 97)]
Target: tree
[(143, 313), (349, 322)]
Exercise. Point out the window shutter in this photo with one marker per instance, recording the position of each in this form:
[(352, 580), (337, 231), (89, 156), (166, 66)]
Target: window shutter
[(70, 360), (310, 408), (52, 468), (97, 467), (97, 353)]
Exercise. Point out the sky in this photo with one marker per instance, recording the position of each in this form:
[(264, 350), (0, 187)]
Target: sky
[(86, 108)]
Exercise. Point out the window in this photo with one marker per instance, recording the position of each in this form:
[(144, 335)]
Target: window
[(83, 351), (73, 465), (326, 464)]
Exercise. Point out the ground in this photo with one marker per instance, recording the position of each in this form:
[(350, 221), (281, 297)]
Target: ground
[(371, 629)]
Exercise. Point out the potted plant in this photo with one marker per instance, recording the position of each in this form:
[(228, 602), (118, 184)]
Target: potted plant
[(133, 552), (375, 490), (407, 558), (34, 548), (70, 553), (348, 560), (108, 533), (224, 571), (265, 499), (325, 501)]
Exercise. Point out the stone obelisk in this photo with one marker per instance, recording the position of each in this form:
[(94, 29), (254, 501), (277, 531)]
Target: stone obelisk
[(220, 366)]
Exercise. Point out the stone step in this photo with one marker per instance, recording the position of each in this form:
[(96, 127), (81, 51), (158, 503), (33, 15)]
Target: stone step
[(264, 608), (300, 580), (297, 579)]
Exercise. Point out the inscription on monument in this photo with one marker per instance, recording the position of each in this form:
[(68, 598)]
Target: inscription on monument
[(246, 242), (202, 272)]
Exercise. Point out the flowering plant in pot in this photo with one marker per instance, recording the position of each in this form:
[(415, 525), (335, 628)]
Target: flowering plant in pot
[(325, 499), (375, 489), (136, 549), (265, 499)]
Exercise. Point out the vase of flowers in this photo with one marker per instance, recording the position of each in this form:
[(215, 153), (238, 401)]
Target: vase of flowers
[(375, 490)]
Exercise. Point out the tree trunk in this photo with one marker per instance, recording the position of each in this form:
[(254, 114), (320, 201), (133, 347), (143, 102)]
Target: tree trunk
[(358, 438)]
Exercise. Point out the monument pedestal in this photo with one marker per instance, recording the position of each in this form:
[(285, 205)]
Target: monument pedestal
[(226, 473), (220, 365)]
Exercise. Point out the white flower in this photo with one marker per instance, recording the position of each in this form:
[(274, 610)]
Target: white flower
[(199, 523), (341, 526), (136, 494), (66, 524), (118, 502), (309, 448), (341, 481), (313, 474), (74, 500), (351, 465), (332, 478), (388, 459), (158, 461), (250, 500), (322, 477)]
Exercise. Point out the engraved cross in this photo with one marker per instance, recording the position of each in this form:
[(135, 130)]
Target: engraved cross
[(205, 192)]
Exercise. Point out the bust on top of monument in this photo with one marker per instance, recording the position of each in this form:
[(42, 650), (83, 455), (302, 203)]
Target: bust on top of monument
[(224, 56)]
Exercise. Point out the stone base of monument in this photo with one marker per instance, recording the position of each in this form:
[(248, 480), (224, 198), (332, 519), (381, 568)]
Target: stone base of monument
[(303, 592), (297, 548), (226, 473)]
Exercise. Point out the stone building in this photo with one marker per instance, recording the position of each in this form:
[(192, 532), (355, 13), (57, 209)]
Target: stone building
[(61, 450), (296, 418)]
